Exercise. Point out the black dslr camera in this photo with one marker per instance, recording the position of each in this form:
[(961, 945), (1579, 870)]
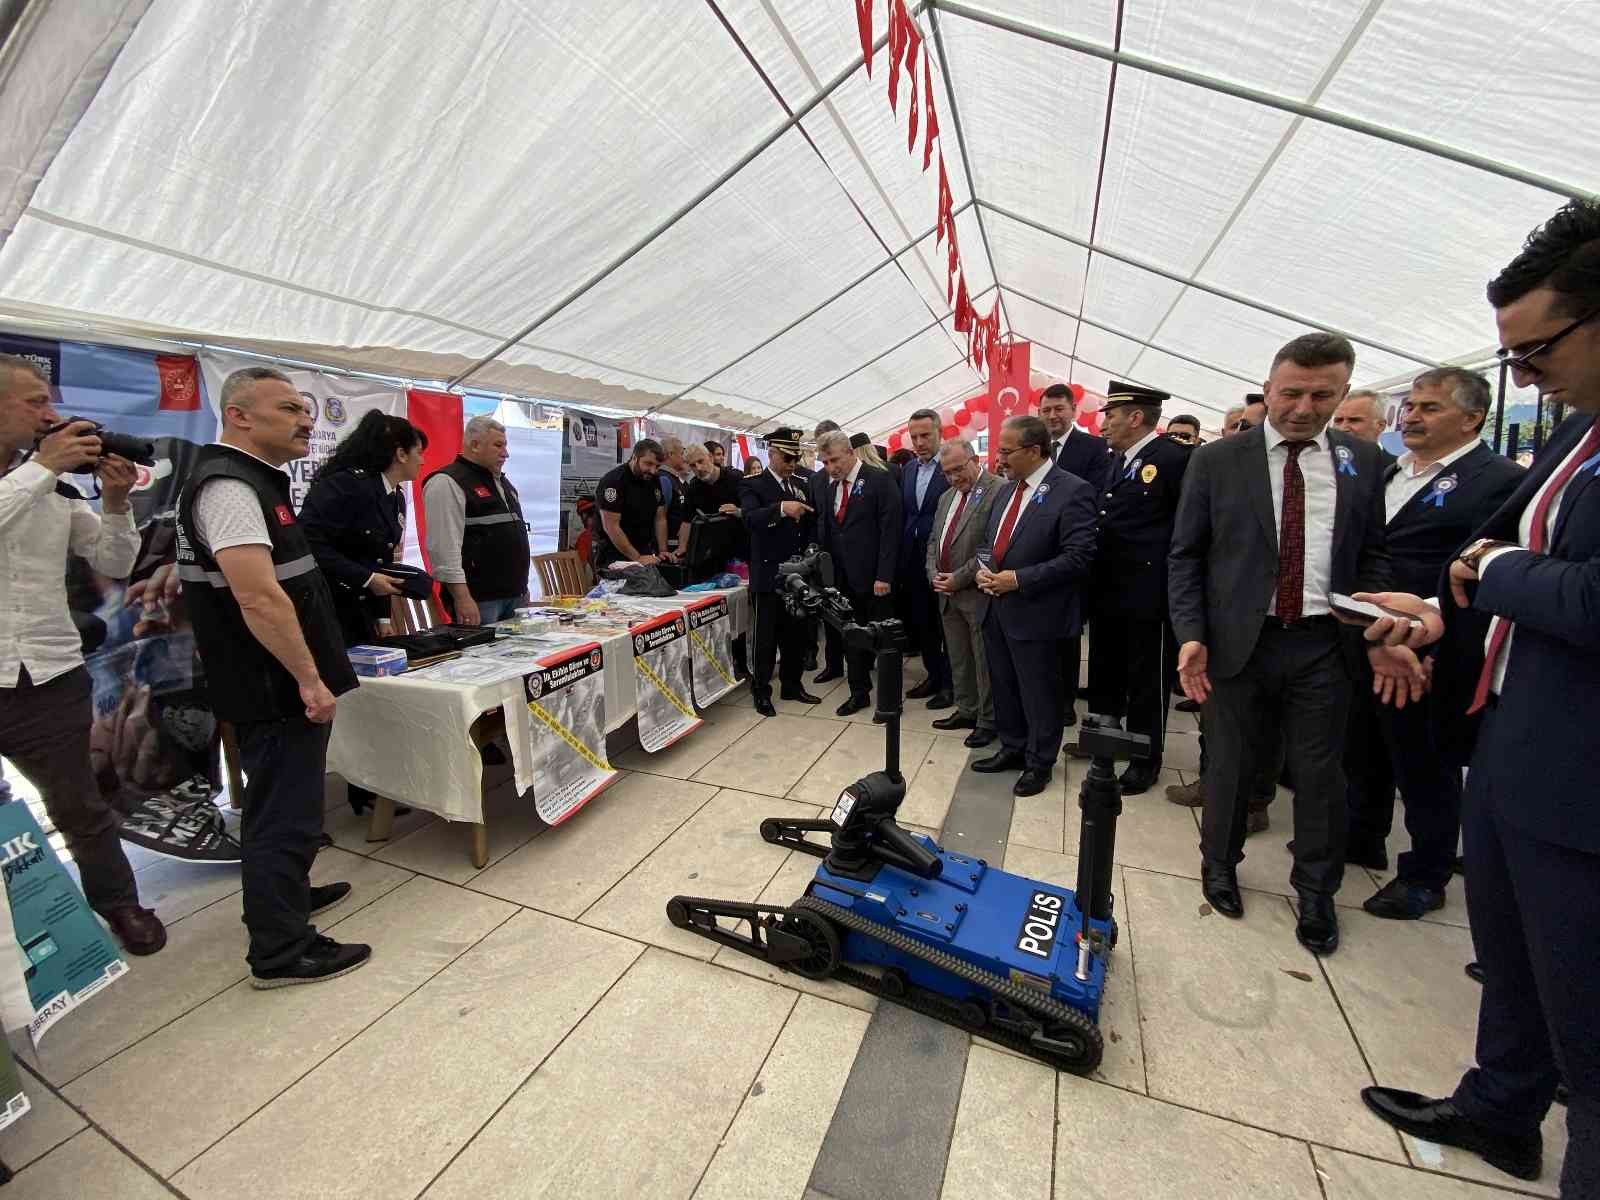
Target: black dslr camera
[(135, 450)]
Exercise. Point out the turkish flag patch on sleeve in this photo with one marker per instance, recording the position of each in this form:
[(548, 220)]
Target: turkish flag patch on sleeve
[(285, 517), (481, 492)]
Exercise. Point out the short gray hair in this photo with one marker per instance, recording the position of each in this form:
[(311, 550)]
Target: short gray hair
[(17, 362), (958, 444), (237, 387), (670, 443), (481, 425), (834, 440), (1469, 390)]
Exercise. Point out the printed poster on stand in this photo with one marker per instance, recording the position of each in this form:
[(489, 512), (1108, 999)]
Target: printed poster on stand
[(661, 659), (567, 700), (711, 650)]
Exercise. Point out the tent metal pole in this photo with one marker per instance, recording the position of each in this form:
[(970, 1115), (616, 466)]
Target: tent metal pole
[(1189, 281), (966, 163), (682, 211), (1312, 112), (1197, 362), (1500, 410), (1221, 412), (800, 320), (856, 370)]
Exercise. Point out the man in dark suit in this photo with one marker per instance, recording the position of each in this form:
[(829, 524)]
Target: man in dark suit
[(1529, 586), (819, 486), (860, 529), (1361, 416), (780, 525), (1034, 562), (1271, 523), (1446, 485), (1078, 452), (1129, 665), (921, 484)]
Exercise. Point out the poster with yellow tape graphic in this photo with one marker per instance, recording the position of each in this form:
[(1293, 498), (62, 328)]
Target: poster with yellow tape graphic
[(567, 700), (666, 700), (711, 650)]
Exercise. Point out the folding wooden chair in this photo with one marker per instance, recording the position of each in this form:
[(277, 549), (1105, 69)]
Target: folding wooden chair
[(563, 573)]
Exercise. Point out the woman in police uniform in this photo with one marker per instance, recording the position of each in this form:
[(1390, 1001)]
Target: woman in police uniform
[(355, 519)]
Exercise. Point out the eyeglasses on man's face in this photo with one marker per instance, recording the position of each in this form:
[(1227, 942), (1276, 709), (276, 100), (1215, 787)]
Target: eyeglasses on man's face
[(1524, 361)]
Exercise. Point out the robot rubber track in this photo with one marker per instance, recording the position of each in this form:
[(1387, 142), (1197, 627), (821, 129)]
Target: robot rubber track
[(806, 938)]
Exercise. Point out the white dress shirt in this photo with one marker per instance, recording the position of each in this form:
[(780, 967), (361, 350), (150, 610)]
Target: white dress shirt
[(849, 481), (1411, 479), (1033, 481), (38, 529), (1524, 535), (1321, 495), (940, 533)]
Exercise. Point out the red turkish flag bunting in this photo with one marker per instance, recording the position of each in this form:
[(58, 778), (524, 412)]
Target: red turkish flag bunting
[(963, 308), (899, 22), (947, 226), (864, 25), (953, 262), (913, 47), (931, 124)]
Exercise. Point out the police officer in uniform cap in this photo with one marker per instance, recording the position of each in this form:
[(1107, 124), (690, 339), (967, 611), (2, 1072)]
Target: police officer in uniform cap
[(780, 523), (1129, 653)]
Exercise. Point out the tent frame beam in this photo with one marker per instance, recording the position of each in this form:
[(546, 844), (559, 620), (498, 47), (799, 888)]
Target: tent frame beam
[(1190, 400), (1313, 112), (1190, 281)]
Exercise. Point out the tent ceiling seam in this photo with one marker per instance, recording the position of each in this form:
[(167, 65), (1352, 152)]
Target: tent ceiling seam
[(1128, 378), (1140, 62), (958, 394), (1335, 65), (744, 160), (1223, 293), (861, 417), (1099, 182), (961, 146), (1111, 329)]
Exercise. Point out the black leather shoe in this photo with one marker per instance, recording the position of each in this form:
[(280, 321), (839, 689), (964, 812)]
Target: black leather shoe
[(138, 929), (941, 700), (979, 738), (922, 691), (800, 694), (1186, 705), (325, 897), (956, 721), (1006, 760), (1031, 782), (1219, 883), (323, 959), (1398, 900), (764, 706), (828, 675), (1139, 776), (1318, 927), (1441, 1122), (856, 702), (811, 662), (1476, 973)]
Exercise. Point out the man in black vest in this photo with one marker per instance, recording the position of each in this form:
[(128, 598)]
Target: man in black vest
[(633, 510), (477, 540), (267, 632), (780, 525)]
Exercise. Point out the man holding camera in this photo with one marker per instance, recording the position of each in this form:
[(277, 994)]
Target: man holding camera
[(45, 692)]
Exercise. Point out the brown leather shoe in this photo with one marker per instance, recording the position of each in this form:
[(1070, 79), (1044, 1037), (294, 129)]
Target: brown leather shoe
[(139, 930), (1190, 795)]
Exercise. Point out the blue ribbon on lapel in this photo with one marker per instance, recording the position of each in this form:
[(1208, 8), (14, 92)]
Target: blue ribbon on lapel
[(1346, 460)]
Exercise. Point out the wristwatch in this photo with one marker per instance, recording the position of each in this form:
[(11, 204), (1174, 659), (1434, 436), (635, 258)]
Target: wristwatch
[(1473, 554)]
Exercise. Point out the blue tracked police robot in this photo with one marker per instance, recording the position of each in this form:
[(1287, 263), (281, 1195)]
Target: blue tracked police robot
[(1015, 960)]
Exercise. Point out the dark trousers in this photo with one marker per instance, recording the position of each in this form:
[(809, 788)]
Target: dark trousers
[(927, 627), (1429, 787), (1025, 681), (775, 629), (1070, 651), (1302, 675), (858, 663), (1369, 775), (44, 731), (1532, 905), (832, 649), (283, 765), (1262, 786), (1128, 674)]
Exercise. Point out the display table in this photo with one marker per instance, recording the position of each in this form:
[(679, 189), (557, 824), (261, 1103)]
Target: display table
[(414, 741)]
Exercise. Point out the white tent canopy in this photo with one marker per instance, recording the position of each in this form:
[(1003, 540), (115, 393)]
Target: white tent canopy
[(707, 208)]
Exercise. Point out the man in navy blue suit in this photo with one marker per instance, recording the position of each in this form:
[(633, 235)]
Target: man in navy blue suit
[(921, 485), (1521, 654), (1035, 558), (1078, 452)]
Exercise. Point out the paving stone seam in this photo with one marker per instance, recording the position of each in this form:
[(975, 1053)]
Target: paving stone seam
[(1316, 1171), (250, 1116), (700, 1179), (1127, 939), (17, 1165), (672, 833), (512, 1095), (1503, 1188), (93, 1126)]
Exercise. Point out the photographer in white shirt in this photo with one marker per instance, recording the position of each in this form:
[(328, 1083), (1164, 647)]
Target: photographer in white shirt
[(45, 692)]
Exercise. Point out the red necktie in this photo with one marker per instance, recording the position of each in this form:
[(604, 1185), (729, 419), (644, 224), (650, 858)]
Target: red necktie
[(844, 500), (1003, 538), (1292, 538), (1536, 543), (950, 533)]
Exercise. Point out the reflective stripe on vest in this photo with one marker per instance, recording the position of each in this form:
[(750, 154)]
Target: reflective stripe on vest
[(288, 570), (492, 519)]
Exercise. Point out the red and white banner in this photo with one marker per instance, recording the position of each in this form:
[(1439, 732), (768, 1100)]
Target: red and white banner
[(1010, 390)]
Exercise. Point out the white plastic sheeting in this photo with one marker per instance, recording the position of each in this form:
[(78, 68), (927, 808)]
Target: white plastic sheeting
[(409, 186)]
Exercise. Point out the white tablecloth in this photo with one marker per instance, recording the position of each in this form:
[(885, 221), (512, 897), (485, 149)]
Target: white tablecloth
[(409, 738)]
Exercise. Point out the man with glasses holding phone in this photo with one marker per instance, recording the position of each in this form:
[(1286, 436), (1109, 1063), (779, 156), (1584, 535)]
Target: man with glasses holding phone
[(1521, 655)]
